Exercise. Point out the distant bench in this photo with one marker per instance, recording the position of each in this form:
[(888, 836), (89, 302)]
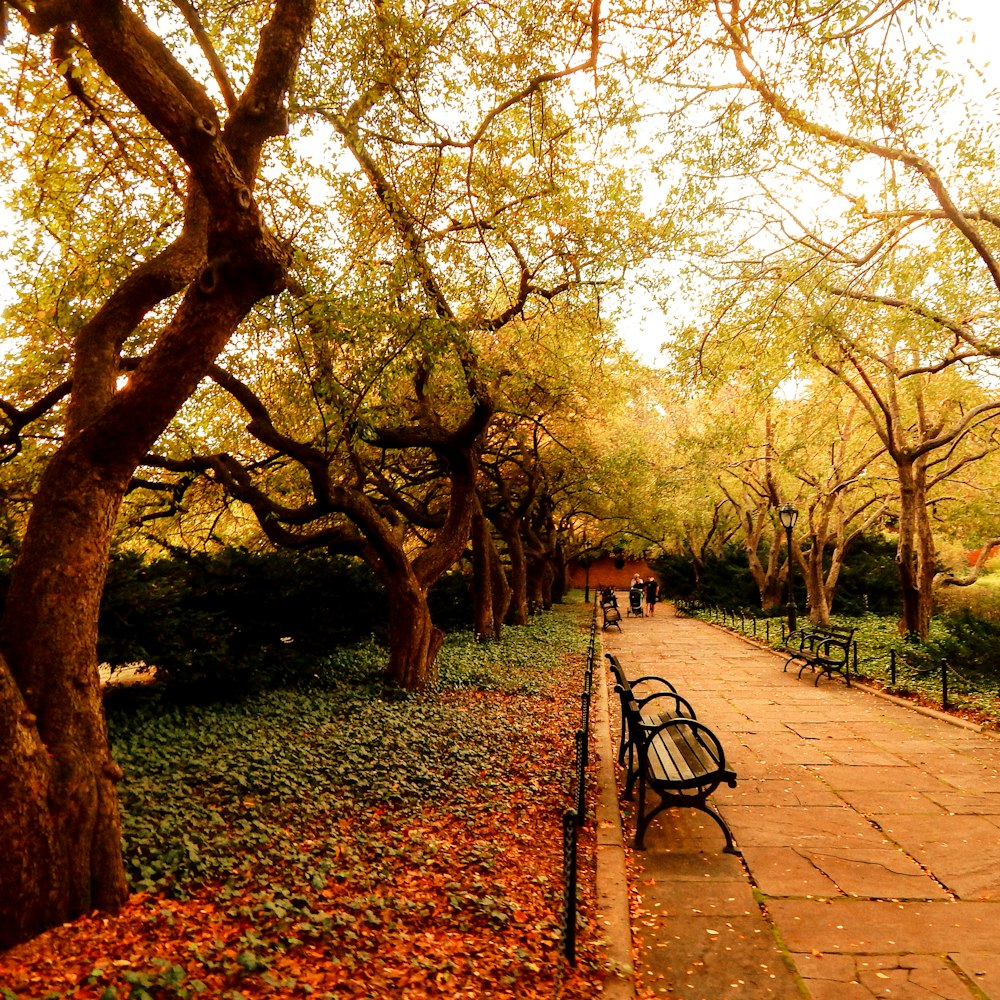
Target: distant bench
[(609, 609), (664, 747), (822, 648)]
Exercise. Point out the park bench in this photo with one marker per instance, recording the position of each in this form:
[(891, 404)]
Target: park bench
[(663, 702), (669, 751), (822, 648), (609, 609), (682, 760)]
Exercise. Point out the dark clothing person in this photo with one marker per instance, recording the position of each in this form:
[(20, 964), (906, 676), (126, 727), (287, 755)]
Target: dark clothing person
[(652, 592)]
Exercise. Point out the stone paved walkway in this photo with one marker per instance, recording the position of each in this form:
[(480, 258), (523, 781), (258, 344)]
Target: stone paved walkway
[(869, 838)]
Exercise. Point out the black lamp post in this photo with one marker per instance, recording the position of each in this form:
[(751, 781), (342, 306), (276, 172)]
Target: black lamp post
[(788, 515), (586, 570)]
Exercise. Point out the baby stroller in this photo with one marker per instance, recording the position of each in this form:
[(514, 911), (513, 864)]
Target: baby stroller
[(635, 602)]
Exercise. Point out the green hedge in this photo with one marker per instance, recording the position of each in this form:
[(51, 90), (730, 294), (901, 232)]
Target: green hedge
[(868, 583), (221, 625)]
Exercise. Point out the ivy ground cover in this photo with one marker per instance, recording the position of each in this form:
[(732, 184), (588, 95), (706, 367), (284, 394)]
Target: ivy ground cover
[(342, 840)]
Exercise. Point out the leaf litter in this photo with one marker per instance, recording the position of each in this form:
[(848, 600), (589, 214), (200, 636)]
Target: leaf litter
[(328, 844)]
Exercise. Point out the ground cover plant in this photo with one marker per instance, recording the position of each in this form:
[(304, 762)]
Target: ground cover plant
[(345, 840)]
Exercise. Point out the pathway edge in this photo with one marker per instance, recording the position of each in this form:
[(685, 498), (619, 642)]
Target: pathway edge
[(613, 913)]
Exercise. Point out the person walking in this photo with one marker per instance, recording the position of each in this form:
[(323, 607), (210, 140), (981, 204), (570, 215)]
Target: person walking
[(652, 593)]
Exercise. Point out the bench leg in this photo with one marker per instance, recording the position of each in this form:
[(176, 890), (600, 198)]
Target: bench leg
[(642, 820), (730, 847), (631, 773)]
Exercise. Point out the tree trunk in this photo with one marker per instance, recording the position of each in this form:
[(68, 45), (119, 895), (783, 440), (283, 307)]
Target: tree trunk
[(915, 555), (414, 640), (500, 589), (482, 580), (60, 823), (816, 590), (560, 575), (519, 608), (491, 593)]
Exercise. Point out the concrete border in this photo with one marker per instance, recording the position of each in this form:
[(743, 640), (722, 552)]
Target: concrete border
[(613, 913)]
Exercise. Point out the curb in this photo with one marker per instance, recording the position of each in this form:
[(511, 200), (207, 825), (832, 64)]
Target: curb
[(613, 913)]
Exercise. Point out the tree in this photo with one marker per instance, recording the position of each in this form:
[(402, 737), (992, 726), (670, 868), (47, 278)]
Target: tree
[(480, 239), (840, 488), (60, 823), (855, 104)]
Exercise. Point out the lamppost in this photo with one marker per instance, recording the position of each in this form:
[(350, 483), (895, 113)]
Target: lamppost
[(586, 569), (788, 515)]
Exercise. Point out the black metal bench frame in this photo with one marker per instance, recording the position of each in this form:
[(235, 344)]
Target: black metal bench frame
[(612, 616), (824, 649), (682, 761)]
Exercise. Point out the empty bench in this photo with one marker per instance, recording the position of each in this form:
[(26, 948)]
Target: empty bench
[(669, 751), (609, 609), (662, 703), (824, 649)]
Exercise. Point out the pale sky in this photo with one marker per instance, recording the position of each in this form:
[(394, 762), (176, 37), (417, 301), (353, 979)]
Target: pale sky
[(642, 325)]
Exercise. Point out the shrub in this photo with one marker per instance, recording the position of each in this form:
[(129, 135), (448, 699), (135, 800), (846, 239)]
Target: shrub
[(725, 582), (869, 578), (868, 582), (965, 642), (219, 625), (450, 601), (981, 599)]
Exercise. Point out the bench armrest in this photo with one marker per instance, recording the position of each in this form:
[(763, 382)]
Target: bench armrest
[(682, 708), (652, 677)]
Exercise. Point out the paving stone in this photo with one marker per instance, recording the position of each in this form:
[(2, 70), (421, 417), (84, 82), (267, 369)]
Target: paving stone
[(970, 803), (843, 776), (962, 851), (778, 792), (848, 752), (876, 873), (922, 977), (717, 959), (684, 866), (809, 825), (884, 928), (872, 802), (714, 897), (981, 969), (786, 871)]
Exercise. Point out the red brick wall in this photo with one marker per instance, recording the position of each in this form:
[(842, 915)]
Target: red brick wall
[(604, 573)]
